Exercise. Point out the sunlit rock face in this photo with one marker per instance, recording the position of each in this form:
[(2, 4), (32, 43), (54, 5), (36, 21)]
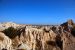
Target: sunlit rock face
[(35, 38), (5, 42), (6, 25), (68, 35), (39, 37), (68, 41)]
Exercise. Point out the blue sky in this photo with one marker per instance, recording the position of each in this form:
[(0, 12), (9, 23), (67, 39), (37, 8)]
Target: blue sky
[(37, 11)]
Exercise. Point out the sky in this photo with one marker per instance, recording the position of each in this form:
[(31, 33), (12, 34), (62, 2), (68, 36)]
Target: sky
[(37, 11)]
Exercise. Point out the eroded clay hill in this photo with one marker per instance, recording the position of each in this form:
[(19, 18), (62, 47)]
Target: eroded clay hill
[(31, 37)]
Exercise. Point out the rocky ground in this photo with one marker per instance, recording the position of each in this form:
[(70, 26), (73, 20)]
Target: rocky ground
[(37, 37)]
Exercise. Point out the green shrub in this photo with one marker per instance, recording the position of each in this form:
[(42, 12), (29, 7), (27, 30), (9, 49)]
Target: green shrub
[(10, 32)]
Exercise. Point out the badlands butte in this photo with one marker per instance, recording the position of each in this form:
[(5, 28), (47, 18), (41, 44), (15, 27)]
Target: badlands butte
[(37, 37)]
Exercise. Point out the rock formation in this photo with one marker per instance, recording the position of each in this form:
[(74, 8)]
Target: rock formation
[(39, 37), (5, 42)]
